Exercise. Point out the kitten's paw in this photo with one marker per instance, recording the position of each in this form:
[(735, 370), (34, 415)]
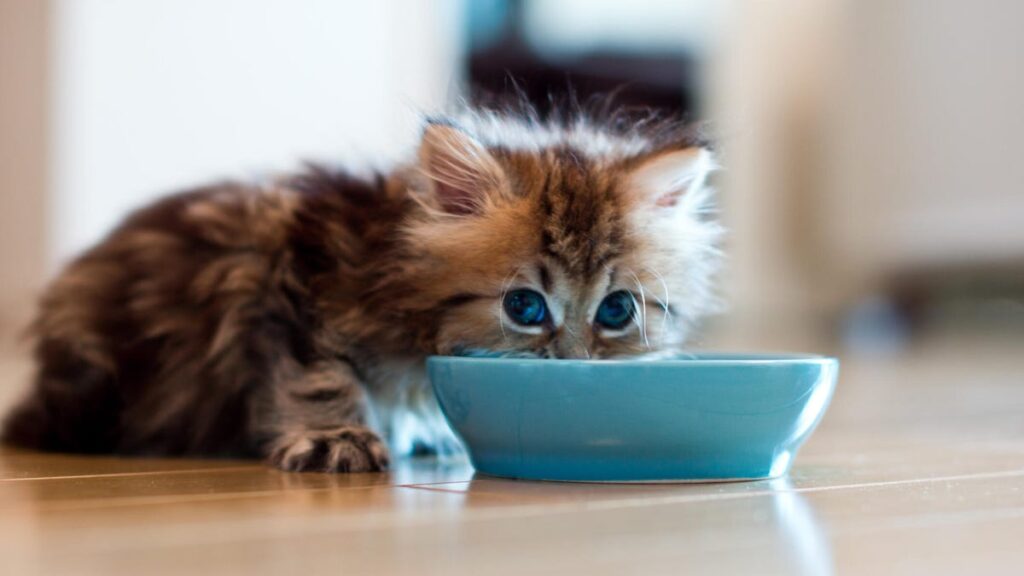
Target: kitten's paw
[(345, 449)]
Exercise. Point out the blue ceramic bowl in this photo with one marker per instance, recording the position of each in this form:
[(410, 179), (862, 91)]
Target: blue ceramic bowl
[(694, 418)]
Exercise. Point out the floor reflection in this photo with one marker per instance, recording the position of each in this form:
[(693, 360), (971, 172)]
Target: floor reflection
[(803, 539), (744, 527)]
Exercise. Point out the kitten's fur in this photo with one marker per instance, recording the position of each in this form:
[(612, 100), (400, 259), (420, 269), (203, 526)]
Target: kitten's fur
[(263, 320)]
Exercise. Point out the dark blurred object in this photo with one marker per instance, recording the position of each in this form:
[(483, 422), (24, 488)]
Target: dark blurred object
[(502, 61)]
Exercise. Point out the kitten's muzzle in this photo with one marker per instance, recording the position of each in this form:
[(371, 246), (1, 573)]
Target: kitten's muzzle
[(569, 347)]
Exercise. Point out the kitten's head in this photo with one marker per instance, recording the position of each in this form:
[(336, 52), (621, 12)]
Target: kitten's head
[(568, 240)]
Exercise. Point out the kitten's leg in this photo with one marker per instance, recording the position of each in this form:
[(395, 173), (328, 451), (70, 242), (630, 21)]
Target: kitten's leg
[(319, 422)]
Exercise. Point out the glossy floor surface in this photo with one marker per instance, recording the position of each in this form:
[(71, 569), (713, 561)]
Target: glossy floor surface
[(917, 469)]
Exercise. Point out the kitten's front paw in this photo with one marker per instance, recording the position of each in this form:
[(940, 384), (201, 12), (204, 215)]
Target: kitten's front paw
[(345, 449)]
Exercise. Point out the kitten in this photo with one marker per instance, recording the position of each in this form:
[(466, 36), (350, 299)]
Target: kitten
[(291, 320)]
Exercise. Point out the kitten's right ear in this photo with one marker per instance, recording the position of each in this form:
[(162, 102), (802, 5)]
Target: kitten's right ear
[(461, 172), (663, 178)]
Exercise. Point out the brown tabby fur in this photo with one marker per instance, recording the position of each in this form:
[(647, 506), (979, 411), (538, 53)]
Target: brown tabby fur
[(261, 319)]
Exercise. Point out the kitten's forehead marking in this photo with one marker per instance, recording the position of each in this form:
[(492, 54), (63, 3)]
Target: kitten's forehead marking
[(581, 222), (545, 276), (572, 295)]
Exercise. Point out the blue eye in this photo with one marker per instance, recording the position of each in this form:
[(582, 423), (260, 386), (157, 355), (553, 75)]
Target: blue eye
[(616, 310), (526, 307)]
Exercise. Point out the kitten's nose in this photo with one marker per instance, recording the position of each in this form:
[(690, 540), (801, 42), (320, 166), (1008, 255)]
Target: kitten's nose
[(570, 347)]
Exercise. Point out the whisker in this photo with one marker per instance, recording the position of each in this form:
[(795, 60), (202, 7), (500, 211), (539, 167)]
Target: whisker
[(506, 283), (666, 315), (643, 308)]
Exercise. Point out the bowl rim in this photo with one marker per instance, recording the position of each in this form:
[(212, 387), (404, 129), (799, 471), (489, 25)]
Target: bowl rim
[(717, 359)]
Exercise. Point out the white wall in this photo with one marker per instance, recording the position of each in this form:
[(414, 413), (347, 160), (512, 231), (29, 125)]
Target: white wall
[(154, 95)]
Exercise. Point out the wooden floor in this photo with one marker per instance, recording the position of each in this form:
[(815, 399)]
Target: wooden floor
[(917, 469)]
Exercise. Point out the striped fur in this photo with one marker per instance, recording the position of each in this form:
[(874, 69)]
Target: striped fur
[(290, 320)]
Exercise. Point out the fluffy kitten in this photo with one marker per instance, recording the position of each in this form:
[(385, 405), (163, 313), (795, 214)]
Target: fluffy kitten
[(291, 320)]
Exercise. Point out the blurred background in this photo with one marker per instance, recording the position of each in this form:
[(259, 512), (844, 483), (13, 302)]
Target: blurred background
[(872, 180)]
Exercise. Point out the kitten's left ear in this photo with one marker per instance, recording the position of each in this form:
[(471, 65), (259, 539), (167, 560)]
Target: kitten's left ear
[(664, 178), (461, 172)]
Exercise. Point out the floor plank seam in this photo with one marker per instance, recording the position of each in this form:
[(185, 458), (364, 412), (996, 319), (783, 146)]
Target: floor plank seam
[(647, 501), (596, 505), (129, 474), (127, 501)]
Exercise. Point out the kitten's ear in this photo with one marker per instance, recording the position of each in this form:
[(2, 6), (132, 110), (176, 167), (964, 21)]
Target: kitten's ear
[(663, 179), (462, 173)]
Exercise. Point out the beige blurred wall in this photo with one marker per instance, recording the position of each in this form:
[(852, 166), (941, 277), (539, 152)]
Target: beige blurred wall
[(864, 142), (24, 152), (923, 145), (766, 83)]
